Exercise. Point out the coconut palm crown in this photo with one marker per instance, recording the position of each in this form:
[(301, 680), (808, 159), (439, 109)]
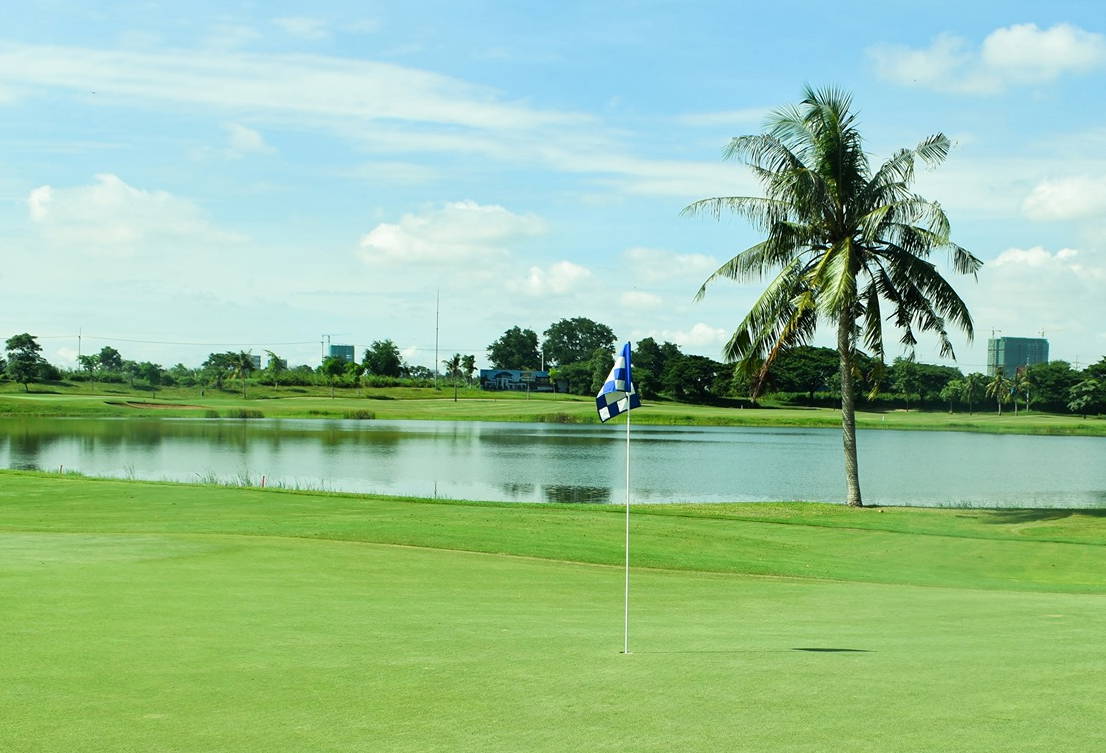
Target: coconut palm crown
[(845, 245)]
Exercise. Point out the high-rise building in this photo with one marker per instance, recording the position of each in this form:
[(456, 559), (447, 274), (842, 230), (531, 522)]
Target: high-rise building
[(342, 351), (1013, 353), (255, 359)]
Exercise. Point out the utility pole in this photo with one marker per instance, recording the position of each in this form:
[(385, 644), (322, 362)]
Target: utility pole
[(437, 298)]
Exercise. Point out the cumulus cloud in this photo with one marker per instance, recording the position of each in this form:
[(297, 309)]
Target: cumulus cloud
[(1026, 290), (699, 336), (657, 264), (111, 217), (638, 299), (460, 231), (1077, 197), (1022, 54), (244, 140), (560, 278)]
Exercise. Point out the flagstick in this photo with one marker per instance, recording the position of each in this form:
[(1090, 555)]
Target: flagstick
[(626, 598)]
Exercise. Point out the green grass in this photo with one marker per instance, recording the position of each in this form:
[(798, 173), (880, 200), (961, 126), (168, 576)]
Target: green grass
[(474, 405), (161, 617)]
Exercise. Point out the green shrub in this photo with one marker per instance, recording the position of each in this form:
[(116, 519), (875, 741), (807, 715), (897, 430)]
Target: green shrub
[(360, 414), (244, 413)]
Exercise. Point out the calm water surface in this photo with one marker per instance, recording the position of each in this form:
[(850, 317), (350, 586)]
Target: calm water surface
[(569, 463)]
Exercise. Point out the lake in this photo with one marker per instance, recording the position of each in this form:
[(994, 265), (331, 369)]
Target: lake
[(534, 462)]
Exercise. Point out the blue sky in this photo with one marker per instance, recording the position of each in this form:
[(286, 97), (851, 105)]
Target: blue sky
[(252, 175)]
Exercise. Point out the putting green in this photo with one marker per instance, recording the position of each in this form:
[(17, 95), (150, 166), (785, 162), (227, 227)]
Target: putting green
[(187, 641)]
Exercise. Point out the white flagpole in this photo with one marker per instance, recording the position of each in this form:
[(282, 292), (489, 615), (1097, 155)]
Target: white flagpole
[(626, 597)]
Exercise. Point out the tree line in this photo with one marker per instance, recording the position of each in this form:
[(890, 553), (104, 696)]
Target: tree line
[(579, 353), (382, 365)]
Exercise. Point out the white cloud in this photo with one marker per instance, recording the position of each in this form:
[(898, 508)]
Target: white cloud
[(656, 265), (1071, 198), (699, 336), (638, 299), (303, 27), (743, 117), (299, 85), (457, 232), (110, 217), (244, 140), (1022, 54), (560, 278), (1026, 290)]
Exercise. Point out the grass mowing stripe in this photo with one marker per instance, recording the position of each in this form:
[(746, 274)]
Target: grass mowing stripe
[(43, 503)]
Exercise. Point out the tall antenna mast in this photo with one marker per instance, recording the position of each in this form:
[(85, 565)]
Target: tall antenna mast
[(437, 296)]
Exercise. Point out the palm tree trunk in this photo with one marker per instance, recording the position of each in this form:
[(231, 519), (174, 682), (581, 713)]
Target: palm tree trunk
[(848, 409)]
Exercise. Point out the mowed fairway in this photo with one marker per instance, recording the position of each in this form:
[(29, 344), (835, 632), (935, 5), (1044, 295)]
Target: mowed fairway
[(153, 617)]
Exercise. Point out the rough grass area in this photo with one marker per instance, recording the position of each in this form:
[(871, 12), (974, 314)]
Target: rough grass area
[(474, 405), (142, 616)]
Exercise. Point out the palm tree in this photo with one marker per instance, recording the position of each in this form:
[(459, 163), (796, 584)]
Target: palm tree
[(842, 242), (241, 366), (999, 388), (453, 369), (1022, 384), (973, 388), (276, 365)]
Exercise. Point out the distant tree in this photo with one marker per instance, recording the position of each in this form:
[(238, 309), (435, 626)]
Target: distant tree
[(275, 366), (647, 362), (181, 374), (515, 349), (1096, 371), (88, 365), (24, 362), (241, 364), (691, 377), (334, 367), (932, 379), (1051, 383), (972, 389), (999, 388), (152, 373), (109, 359), (453, 370), (906, 378), (422, 373), (131, 371), (575, 340), (804, 368), (1023, 383), (601, 363), (952, 391), (575, 378), (468, 366), (382, 358), (1086, 397), (217, 367)]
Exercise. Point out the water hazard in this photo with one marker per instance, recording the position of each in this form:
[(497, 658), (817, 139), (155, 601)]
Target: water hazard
[(569, 463)]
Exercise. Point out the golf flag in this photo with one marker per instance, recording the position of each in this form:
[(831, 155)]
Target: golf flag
[(618, 394)]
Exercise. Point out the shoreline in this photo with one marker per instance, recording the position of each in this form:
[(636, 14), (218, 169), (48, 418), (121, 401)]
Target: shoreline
[(562, 410)]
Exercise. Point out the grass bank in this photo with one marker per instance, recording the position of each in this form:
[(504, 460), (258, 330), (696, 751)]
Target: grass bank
[(473, 405), (165, 617)]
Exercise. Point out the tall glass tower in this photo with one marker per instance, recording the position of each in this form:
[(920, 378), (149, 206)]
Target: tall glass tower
[(1013, 353)]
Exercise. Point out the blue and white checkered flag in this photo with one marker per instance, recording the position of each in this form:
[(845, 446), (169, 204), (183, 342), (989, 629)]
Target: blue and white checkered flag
[(618, 394)]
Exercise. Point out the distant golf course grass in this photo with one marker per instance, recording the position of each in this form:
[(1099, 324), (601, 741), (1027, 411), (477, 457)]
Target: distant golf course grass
[(475, 405), (160, 617)]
